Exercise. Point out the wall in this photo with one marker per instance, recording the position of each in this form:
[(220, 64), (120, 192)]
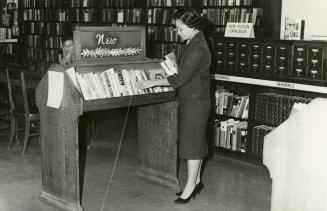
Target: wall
[(312, 11)]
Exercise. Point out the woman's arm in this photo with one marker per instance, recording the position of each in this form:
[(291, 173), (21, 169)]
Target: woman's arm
[(151, 83)]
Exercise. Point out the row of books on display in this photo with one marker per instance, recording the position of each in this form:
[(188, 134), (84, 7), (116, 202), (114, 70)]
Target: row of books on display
[(167, 34), (169, 3), (273, 108), (119, 15), (220, 16), (257, 139), (227, 2), (229, 104), (231, 134), (115, 83), (45, 41)]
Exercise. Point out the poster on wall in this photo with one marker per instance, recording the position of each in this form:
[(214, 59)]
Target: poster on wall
[(294, 28)]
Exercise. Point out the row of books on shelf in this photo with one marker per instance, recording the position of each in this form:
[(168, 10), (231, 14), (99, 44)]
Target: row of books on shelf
[(44, 42), (229, 104), (168, 3), (123, 3), (220, 16), (83, 3), (37, 53), (119, 15), (273, 108), (44, 3), (60, 15), (257, 139), (8, 32), (115, 83), (230, 134), (227, 2), (159, 50), (84, 15), (162, 33), (47, 28), (161, 15)]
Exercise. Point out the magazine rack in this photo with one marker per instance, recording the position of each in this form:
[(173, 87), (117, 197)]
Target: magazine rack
[(157, 127)]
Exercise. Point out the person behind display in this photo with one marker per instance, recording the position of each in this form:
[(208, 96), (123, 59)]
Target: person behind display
[(192, 86)]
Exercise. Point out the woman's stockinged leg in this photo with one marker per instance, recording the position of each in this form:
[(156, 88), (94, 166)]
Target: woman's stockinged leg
[(198, 178), (193, 170)]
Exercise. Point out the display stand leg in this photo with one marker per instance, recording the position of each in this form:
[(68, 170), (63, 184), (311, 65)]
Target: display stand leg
[(157, 143)]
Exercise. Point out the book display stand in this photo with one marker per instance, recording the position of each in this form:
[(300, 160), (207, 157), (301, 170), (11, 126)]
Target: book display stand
[(157, 121)]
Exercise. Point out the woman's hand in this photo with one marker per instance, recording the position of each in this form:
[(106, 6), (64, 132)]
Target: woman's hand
[(145, 84)]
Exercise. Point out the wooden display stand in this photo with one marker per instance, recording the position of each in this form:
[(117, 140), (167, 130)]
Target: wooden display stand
[(157, 130)]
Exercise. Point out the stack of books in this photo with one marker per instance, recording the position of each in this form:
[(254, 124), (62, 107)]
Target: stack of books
[(169, 64)]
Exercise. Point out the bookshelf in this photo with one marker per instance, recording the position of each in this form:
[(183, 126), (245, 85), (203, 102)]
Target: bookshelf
[(9, 29), (162, 36), (219, 12), (45, 21), (275, 74)]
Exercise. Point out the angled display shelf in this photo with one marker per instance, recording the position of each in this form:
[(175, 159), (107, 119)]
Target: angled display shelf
[(157, 123)]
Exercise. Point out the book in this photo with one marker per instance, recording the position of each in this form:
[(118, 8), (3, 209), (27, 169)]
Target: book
[(169, 64), (294, 28)]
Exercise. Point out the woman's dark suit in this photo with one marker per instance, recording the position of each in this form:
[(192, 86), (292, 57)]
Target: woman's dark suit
[(192, 85)]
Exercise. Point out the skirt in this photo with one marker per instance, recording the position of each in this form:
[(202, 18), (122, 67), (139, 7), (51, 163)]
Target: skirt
[(193, 115)]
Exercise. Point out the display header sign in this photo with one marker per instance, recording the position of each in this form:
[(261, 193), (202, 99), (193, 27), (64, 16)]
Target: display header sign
[(244, 30), (104, 42)]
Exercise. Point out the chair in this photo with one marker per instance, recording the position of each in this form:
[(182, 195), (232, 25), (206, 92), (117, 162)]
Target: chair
[(3, 51), (22, 107)]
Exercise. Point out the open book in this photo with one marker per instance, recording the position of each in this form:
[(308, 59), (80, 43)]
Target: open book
[(169, 64)]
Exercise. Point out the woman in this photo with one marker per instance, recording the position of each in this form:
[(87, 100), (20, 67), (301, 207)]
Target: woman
[(193, 95), (67, 50)]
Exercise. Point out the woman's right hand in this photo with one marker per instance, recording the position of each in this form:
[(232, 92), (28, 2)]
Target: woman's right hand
[(145, 84)]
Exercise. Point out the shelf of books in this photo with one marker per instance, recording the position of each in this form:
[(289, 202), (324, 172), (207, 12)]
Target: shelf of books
[(219, 12), (162, 35), (9, 29), (44, 23), (130, 12), (273, 76)]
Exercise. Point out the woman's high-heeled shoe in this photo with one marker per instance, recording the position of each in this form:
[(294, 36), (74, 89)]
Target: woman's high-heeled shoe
[(199, 186), (195, 192)]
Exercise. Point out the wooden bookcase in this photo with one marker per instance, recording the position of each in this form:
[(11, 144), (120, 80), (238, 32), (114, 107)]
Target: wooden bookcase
[(60, 138), (275, 74)]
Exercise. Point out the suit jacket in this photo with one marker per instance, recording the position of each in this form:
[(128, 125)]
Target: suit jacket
[(192, 79)]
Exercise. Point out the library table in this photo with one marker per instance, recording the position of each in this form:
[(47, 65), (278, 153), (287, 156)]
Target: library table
[(157, 134)]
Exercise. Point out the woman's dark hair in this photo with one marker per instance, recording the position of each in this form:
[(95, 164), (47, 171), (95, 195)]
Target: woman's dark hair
[(189, 17), (66, 37)]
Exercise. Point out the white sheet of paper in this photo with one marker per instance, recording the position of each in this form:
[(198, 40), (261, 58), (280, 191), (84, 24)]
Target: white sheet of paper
[(72, 75), (55, 88)]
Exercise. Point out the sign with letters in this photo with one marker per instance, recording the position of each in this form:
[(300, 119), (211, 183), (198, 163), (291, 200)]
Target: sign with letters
[(103, 42), (244, 30)]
